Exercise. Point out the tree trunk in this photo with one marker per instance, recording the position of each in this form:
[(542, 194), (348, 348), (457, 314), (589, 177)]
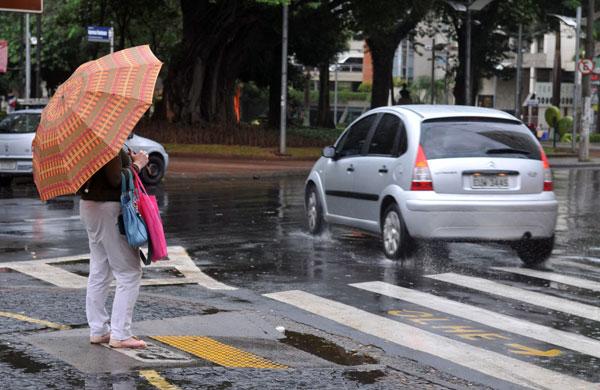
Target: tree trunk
[(202, 76), (324, 116), (459, 84), (382, 52), (556, 72)]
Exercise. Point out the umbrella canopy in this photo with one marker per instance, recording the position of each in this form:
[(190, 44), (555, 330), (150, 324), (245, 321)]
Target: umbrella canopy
[(88, 119)]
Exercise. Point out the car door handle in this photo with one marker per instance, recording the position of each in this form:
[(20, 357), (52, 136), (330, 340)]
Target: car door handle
[(383, 170), (350, 168)]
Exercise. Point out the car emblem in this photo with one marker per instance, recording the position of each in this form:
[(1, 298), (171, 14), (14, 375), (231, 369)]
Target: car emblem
[(491, 164)]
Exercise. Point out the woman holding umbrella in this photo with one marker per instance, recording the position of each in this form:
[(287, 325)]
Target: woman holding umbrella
[(78, 148)]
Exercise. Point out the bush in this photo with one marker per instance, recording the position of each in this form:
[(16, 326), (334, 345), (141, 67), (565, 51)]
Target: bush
[(365, 87), (242, 134), (595, 137)]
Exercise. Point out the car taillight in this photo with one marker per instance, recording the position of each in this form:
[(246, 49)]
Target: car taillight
[(421, 180), (548, 186)]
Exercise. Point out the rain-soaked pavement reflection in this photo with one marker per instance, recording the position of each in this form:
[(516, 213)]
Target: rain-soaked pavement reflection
[(251, 234)]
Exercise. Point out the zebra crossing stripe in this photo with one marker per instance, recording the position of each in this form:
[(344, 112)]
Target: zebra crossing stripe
[(519, 294), (488, 362), (554, 277), (572, 341)]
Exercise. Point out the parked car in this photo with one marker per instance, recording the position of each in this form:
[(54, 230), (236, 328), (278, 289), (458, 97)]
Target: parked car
[(437, 173), (18, 129)]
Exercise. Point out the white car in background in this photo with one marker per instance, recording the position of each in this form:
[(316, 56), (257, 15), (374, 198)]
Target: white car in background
[(17, 130)]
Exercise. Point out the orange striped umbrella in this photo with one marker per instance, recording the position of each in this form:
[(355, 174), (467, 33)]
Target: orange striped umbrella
[(88, 119)]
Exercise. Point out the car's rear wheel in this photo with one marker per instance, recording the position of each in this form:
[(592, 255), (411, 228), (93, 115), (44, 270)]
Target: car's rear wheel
[(394, 235), (5, 181), (154, 171), (535, 251), (314, 211)]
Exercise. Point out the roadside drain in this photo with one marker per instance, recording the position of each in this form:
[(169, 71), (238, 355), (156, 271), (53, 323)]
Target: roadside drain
[(326, 349), (19, 360)]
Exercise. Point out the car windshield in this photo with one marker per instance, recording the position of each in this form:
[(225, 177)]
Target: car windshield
[(451, 138), (20, 123)]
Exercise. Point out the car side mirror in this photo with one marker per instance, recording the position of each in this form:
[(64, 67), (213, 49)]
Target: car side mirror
[(329, 152)]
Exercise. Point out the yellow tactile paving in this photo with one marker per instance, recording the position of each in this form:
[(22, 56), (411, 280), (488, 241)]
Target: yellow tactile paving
[(22, 317), (217, 352), (156, 380)]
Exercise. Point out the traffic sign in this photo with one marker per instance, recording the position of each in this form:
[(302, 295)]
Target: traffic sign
[(29, 6), (98, 34), (585, 66)]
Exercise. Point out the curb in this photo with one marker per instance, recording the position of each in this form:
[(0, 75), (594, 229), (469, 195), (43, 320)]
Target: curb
[(243, 176)]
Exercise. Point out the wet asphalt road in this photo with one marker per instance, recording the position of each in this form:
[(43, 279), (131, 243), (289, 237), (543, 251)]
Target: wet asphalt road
[(251, 234)]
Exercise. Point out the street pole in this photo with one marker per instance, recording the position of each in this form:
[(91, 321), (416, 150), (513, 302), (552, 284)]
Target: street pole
[(584, 145), (27, 58), (576, 82), (111, 35), (519, 72), (432, 71), (335, 94), (284, 53), (38, 61), (468, 61)]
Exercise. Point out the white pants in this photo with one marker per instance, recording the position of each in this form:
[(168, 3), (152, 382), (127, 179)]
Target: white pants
[(110, 255)]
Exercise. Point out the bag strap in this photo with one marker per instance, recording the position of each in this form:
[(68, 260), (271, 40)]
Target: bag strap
[(123, 183), (138, 182)]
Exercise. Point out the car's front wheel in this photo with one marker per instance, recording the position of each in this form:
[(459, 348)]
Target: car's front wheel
[(155, 170), (314, 211), (394, 235), (535, 251)]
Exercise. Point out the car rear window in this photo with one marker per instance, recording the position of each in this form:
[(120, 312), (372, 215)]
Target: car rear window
[(20, 123), (466, 137)]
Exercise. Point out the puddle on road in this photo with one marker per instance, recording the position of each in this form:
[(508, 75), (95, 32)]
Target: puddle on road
[(326, 349), (20, 360), (364, 377)]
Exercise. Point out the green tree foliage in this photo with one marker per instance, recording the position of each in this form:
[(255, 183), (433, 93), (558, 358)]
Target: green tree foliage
[(64, 34), (384, 24), (317, 34)]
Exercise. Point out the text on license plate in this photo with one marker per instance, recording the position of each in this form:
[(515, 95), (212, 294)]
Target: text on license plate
[(8, 165), (490, 181)]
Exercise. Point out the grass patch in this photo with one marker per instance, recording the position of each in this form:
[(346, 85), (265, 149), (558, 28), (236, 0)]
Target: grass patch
[(241, 151)]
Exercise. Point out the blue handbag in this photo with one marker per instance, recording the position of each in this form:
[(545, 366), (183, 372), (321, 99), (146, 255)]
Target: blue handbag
[(135, 228)]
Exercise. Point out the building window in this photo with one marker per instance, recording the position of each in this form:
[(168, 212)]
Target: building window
[(540, 44)]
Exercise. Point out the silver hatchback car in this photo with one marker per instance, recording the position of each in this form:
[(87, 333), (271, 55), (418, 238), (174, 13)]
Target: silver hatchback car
[(437, 173), (17, 131)]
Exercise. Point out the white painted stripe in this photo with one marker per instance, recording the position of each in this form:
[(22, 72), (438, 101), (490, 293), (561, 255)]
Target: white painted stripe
[(572, 341), (54, 275), (585, 267), (487, 362), (71, 218), (554, 277), (519, 294), (179, 259)]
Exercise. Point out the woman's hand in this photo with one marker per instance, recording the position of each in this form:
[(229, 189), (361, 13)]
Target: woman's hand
[(140, 159)]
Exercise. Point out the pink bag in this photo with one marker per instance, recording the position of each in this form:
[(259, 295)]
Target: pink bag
[(148, 209)]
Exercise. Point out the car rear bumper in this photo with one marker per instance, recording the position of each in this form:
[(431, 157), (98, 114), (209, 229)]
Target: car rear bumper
[(16, 167), (490, 220)]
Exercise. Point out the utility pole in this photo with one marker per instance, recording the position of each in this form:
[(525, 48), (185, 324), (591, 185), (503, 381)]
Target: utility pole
[(38, 55), (27, 37), (519, 71), (577, 82), (284, 54), (584, 141), (433, 71)]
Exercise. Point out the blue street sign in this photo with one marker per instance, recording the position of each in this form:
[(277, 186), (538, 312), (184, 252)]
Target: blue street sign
[(98, 34)]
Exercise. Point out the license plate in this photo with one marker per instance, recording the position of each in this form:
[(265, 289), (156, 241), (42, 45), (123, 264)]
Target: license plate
[(489, 181), (8, 165)]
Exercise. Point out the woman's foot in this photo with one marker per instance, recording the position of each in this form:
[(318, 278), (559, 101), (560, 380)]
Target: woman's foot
[(132, 342), (100, 339)]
